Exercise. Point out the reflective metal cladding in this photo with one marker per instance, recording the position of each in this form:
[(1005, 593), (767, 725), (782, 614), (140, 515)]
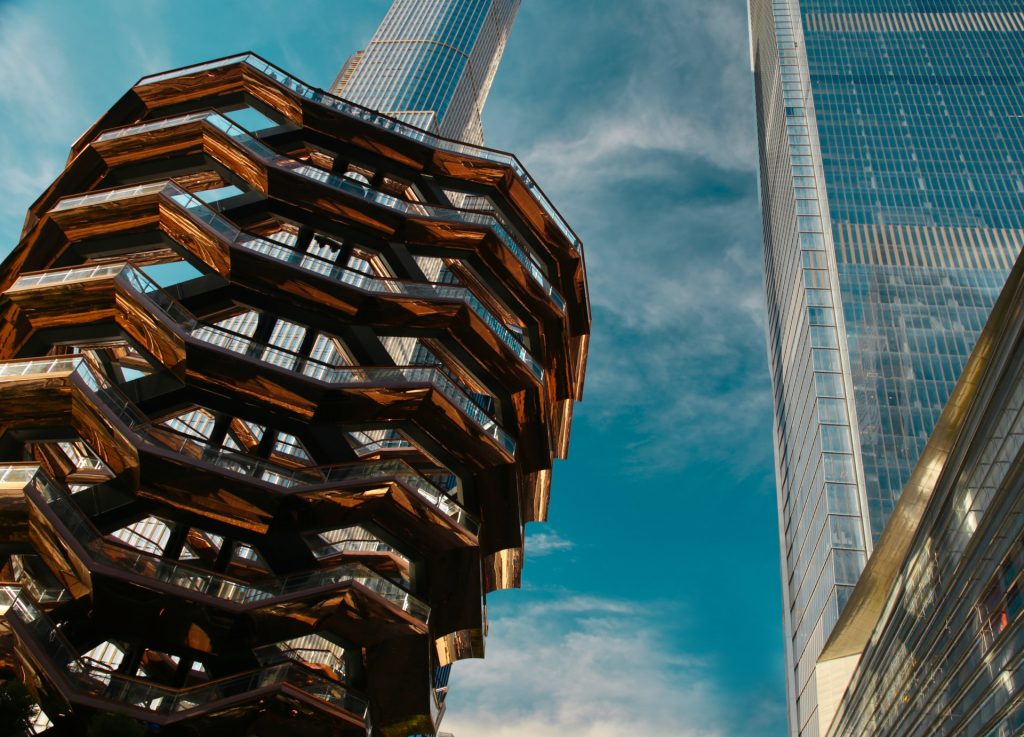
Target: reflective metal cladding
[(277, 405), (891, 144)]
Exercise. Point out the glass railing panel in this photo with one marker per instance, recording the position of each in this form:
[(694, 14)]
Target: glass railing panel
[(425, 375), (93, 678), (196, 69), (377, 446), (151, 126), (156, 294), (212, 584), (42, 366), (17, 475), (350, 546), (45, 635), (310, 649), (223, 339), (48, 278), (112, 398), (389, 124), (347, 185), (110, 195), (8, 594), (404, 473)]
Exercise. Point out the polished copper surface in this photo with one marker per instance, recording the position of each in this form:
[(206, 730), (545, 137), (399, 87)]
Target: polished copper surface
[(333, 429)]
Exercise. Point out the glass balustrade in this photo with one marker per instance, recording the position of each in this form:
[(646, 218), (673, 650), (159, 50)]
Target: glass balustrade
[(223, 458), (208, 583), (18, 475), (377, 285), (271, 157), (275, 356), (330, 656), (110, 195), (379, 446), (304, 480), (49, 278), (113, 135), (89, 677), (338, 547), (386, 123), (200, 211), (42, 366)]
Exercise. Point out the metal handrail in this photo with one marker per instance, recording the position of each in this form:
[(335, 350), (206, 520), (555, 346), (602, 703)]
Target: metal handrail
[(347, 185), (383, 122), (296, 363), (217, 585), (100, 680)]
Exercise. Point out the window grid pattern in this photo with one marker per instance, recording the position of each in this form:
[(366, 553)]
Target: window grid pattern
[(969, 680), (896, 125), (923, 154), (431, 63), (819, 498)]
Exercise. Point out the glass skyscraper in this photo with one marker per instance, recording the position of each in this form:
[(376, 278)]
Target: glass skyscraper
[(431, 63), (891, 143)]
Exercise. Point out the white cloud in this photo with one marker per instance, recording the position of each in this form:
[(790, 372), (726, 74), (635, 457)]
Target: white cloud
[(35, 78), (655, 167), (545, 542), (588, 667), (39, 108)]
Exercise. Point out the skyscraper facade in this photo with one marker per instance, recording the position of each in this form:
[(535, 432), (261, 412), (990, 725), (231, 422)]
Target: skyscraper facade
[(431, 63), (936, 623), (892, 189), (275, 410)]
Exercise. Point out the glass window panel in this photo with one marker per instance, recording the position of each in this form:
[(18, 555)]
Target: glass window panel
[(846, 532), (829, 385), (806, 207), (813, 259), (835, 439), (821, 316), (819, 298), (823, 337), (848, 563), (832, 411), (839, 468), (842, 499), (825, 360)]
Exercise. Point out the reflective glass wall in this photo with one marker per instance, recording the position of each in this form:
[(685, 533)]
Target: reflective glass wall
[(947, 655), (890, 136), (431, 63)]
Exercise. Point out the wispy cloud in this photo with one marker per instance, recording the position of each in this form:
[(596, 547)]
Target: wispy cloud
[(38, 103), (545, 542), (593, 667), (657, 169)]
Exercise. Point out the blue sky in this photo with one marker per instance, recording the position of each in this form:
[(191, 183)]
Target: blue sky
[(651, 605)]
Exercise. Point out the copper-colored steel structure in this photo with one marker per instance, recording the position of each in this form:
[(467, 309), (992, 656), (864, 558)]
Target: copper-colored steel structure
[(275, 406)]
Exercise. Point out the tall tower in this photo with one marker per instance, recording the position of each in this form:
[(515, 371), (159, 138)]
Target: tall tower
[(274, 412), (431, 63), (891, 140)]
